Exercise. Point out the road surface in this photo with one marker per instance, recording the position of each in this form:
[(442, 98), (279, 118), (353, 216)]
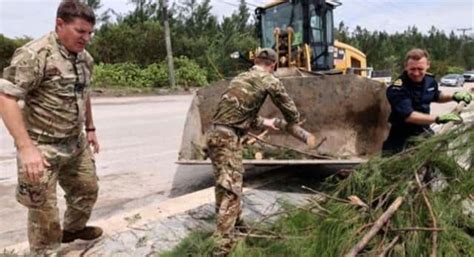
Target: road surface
[(140, 138)]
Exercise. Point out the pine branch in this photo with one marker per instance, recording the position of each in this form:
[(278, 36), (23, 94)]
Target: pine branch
[(433, 216), (409, 229), (389, 246), (317, 156), (326, 195), (376, 227)]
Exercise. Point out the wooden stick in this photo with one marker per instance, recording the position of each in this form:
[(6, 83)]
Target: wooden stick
[(434, 236), (258, 156), (214, 67), (319, 207), (258, 236), (387, 225), (264, 231), (376, 227), (252, 140), (383, 198), (326, 195), (359, 230), (266, 236), (389, 247), (320, 143), (416, 229)]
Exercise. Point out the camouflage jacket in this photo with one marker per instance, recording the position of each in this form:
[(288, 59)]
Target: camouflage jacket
[(54, 85), (241, 102)]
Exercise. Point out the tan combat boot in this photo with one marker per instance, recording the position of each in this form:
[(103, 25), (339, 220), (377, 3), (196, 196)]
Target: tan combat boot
[(87, 233)]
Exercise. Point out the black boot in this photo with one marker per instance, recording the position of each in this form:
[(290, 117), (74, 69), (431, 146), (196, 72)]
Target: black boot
[(87, 233)]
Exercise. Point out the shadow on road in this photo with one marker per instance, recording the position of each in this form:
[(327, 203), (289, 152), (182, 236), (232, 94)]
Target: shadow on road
[(310, 176), (190, 178)]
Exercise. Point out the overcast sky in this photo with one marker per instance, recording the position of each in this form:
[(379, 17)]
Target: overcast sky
[(35, 17)]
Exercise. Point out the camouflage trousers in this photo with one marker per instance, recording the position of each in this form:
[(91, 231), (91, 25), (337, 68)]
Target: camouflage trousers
[(72, 165), (225, 152)]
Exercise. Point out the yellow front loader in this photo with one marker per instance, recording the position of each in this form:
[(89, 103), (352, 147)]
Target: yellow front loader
[(346, 112)]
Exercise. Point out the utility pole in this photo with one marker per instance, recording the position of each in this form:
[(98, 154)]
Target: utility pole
[(169, 52), (464, 30)]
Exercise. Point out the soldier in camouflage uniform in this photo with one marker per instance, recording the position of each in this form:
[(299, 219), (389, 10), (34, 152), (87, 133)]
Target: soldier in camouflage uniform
[(236, 113), (52, 76)]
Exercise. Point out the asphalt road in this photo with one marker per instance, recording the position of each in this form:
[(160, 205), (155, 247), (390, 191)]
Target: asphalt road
[(140, 138)]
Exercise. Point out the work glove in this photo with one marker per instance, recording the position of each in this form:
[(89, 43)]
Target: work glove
[(445, 118), (462, 96)]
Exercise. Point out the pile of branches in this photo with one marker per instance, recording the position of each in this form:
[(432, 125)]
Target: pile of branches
[(261, 151), (256, 147), (415, 203)]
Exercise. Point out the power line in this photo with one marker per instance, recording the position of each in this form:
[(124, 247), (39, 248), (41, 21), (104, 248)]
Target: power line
[(464, 30), (261, 2), (237, 5), (231, 4)]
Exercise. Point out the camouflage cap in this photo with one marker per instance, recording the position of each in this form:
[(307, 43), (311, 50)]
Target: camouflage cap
[(267, 53)]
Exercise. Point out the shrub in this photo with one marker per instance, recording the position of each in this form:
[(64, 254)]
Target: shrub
[(8, 47), (455, 69), (119, 75), (129, 75), (188, 73)]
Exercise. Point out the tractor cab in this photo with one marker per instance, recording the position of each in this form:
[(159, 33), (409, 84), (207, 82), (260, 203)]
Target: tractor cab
[(301, 32)]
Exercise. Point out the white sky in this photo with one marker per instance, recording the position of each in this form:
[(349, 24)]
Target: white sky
[(36, 17)]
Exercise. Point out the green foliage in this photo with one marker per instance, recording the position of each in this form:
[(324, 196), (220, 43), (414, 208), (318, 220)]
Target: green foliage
[(331, 226), (387, 51), (138, 37), (455, 70), (439, 68), (145, 10), (197, 34), (94, 4), (8, 47), (273, 153), (118, 75), (467, 52), (188, 74), (141, 43)]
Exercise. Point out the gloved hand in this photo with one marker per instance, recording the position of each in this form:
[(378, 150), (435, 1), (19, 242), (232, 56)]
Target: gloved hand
[(445, 118), (462, 96)]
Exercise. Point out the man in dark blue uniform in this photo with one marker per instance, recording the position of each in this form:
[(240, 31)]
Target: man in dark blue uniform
[(410, 97)]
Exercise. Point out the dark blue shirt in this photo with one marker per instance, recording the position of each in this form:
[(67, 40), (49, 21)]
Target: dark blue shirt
[(406, 96)]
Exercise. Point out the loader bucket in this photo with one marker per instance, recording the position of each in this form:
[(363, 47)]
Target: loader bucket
[(347, 114)]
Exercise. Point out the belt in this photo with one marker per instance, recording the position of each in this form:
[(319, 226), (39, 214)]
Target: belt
[(225, 128)]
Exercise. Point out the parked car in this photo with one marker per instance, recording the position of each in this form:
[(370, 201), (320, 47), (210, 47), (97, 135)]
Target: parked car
[(469, 76), (452, 80), (384, 76)]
